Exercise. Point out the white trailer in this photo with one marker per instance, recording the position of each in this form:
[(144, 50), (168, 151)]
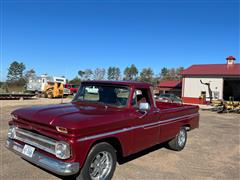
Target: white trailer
[(37, 84)]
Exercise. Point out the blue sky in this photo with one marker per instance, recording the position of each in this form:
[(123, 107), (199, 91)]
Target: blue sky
[(62, 37)]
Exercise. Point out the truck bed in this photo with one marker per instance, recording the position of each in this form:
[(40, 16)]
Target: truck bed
[(165, 105)]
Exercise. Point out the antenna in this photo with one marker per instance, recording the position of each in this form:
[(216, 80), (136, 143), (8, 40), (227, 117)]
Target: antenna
[(62, 94), (62, 99)]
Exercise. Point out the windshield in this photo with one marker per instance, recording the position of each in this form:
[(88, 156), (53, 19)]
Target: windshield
[(111, 95)]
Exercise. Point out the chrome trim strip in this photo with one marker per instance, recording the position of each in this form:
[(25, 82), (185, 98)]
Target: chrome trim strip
[(37, 137), (104, 134), (56, 166), (171, 120), (176, 108), (162, 122)]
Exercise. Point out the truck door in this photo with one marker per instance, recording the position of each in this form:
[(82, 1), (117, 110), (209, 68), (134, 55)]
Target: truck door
[(145, 131)]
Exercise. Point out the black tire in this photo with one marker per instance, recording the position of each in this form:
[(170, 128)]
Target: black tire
[(99, 148), (176, 143)]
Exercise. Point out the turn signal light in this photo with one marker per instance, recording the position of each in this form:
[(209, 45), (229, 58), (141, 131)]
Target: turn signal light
[(62, 129)]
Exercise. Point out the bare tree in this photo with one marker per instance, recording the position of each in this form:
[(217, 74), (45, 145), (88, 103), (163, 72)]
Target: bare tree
[(30, 74), (99, 73), (86, 74)]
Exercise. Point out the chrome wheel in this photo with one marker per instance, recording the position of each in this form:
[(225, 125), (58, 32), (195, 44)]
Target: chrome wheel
[(181, 138), (101, 166)]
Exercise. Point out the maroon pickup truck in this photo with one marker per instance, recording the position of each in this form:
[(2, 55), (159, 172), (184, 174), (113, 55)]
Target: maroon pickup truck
[(86, 137)]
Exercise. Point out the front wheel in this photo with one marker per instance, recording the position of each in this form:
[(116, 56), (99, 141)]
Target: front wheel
[(100, 163), (179, 142)]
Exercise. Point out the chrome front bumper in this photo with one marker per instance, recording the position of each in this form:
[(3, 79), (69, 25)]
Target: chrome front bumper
[(50, 164)]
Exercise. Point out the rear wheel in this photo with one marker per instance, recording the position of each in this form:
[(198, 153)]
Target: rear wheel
[(100, 163), (179, 142)]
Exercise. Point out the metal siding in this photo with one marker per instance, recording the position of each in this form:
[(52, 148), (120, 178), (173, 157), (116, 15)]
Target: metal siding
[(193, 87)]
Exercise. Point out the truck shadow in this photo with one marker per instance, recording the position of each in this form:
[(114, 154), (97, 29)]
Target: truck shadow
[(121, 160)]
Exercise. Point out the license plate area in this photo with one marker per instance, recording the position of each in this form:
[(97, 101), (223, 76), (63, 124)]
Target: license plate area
[(28, 150)]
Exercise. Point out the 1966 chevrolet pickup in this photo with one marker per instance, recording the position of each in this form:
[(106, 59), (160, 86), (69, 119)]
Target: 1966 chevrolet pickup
[(85, 138)]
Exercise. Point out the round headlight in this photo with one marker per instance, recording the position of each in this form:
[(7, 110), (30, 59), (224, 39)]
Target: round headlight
[(11, 132), (62, 150)]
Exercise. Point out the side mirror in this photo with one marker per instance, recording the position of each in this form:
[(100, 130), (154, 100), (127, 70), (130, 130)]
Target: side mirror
[(143, 107)]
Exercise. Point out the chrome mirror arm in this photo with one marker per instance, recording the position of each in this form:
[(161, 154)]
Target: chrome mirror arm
[(142, 116)]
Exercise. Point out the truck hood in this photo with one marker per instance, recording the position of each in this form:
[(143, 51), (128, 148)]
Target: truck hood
[(70, 115)]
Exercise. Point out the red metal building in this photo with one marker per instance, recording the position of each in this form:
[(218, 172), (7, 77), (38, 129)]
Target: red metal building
[(203, 82), (170, 86)]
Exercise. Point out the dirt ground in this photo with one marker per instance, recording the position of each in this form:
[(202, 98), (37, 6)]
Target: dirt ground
[(212, 152)]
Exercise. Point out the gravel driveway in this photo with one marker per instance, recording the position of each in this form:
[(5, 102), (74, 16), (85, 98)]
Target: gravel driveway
[(212, 152)]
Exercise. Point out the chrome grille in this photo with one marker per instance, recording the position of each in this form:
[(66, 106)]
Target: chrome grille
[(36, 140)]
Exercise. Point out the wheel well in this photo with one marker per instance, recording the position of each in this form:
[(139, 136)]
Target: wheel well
[(115, 143), (187, 126)]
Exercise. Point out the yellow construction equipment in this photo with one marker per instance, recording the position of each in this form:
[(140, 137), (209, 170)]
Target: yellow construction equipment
[(232, 105), (216, 102), (225, 106), (53, 90)]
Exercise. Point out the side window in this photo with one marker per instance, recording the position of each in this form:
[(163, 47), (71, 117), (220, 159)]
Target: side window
[(141, 96), (91, 93)]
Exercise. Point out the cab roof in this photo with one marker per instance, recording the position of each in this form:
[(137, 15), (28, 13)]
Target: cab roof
[(124, 83)]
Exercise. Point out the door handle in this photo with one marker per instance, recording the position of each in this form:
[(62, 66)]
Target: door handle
[(156, 110)]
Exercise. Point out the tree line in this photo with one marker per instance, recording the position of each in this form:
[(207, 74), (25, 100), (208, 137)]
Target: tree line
[(130, 73), (17, 75)]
